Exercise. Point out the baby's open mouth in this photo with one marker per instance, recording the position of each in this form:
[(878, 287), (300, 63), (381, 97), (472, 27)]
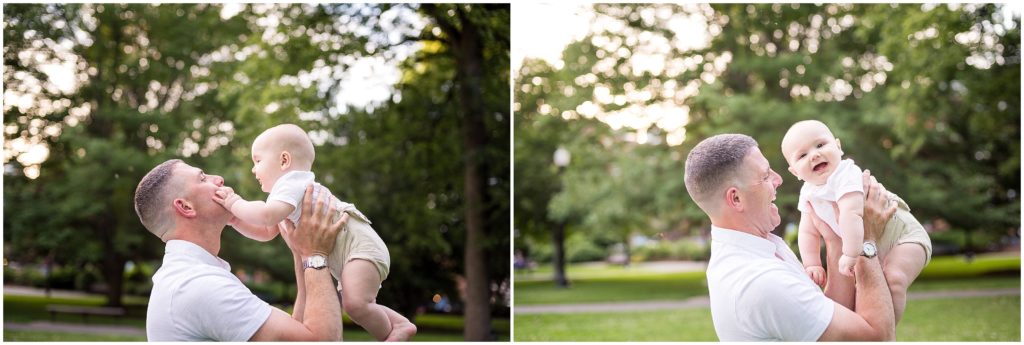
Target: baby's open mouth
[(820, 167)]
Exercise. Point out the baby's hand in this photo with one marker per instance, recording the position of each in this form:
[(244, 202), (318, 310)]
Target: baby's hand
[(226, 197), (817, 274), (846, 265)]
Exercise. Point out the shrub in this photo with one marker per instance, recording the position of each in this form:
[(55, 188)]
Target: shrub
[(684, 249)]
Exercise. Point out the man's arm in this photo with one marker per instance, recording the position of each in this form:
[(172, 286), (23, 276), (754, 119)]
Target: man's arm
[(300, 296), (321, 319), (874, 318)]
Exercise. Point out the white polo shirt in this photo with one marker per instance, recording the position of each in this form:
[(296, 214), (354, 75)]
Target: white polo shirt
[(756, 296), (196, 298)]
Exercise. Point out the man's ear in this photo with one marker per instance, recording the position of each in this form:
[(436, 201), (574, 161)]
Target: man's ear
[(732, 199), (793, 171), (286, 160), (184, 208)]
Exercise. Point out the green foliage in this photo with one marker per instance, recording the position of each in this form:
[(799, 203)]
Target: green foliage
[(181, 81), (673, 250), (926, 97)]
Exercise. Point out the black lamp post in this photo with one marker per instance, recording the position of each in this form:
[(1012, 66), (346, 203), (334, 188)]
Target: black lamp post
[(561, 159)]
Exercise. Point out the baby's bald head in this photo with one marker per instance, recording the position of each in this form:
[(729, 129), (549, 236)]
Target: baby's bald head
[(287, 138)]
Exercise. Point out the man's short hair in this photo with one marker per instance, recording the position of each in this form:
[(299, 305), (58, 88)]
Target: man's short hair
[(712, 163), (153, 198)]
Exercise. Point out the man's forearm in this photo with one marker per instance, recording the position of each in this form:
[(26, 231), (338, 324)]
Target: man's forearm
[(300, 285), (874, 301), (323, 315)]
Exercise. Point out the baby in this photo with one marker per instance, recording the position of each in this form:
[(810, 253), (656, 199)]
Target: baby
[(835, 191), (282, 158)]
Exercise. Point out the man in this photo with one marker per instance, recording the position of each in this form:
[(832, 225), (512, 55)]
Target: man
[(757, 286), (196, 297)]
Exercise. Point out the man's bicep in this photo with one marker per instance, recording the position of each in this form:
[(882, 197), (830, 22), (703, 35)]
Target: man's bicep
[(282, 327), (845, 326)]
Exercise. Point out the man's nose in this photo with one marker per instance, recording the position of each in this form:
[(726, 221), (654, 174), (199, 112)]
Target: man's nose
[(776, 179), (219, 181)]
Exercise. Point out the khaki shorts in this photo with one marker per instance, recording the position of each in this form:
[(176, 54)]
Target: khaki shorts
[(358, 240), (904, 228)]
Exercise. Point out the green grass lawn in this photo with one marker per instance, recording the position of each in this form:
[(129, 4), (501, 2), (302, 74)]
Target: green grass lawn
[(12, 335), (24, 309), (659, 286), (974, 319), (595, 283)]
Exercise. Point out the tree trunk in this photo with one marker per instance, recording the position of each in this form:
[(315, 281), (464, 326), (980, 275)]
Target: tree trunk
[(558, 240), (113, 273), (626, 251), (467, 49)]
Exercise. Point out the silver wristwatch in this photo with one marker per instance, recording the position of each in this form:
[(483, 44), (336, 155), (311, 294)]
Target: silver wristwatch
[(869, 250), (315, 261)]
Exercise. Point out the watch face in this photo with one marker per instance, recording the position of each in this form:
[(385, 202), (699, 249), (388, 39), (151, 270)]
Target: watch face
[(869, 249), (316, 261)]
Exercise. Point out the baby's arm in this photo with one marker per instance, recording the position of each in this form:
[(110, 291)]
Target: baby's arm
[(257, 213), (256, 232), (809, 241), (851, 221)]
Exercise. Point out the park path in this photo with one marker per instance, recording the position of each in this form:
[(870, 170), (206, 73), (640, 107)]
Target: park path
[(703, 302)]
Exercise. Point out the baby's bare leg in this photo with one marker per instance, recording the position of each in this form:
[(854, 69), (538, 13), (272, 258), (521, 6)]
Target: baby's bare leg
[(359, 284), (902, 265)]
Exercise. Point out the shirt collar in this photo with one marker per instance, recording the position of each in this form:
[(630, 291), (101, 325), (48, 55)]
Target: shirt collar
[(192, 250), (747, 242)]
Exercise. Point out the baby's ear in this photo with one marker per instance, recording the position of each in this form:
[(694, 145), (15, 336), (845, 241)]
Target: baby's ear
[(793, 171), (839, 145), (286, 160)]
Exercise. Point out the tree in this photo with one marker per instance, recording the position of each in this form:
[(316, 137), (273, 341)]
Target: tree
[(908, 97), (134, 109), (466, 34)]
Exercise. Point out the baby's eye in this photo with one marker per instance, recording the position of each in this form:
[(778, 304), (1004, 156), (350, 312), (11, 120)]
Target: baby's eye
[(802, 155), (820, 145)]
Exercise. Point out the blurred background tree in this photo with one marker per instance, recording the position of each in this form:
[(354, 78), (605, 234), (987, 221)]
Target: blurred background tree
[(925, 96), (97, 94)]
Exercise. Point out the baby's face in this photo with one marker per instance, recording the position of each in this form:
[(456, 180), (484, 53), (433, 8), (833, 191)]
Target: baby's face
[(266, 160), (812, 153)]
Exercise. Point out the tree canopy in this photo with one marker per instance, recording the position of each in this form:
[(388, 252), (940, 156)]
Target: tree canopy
[(146, 83), (925, 96)]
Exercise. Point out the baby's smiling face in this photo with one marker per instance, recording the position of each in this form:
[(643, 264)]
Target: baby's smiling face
[(266, 160), (812, 152)]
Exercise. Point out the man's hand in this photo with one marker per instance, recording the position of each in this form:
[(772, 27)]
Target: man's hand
[(878, 208), (846, 264), (817, 274), (315, 233), (225, 196)]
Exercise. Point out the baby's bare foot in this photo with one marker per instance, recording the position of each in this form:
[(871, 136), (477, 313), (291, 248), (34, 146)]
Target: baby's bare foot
[(402, 332)]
